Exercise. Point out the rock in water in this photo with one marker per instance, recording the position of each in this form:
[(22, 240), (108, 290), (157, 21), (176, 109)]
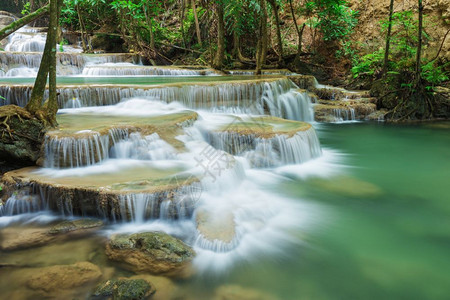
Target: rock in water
[(53, 279), (76, 225), (14, 238), (153, 252), (236, 292), (124, 289)]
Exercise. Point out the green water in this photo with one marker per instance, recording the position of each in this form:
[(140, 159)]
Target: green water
[(384, 236), (382, 229), (141, 80)]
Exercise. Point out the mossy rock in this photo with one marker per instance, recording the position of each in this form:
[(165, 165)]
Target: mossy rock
[(124, 289), (21, 135), (76, 225), (152, 252), (306, 82)]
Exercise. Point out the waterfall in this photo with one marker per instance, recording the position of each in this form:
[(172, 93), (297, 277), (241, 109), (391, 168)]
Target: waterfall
[(21, 202), (151, 147), (83, 149), (269, 152), (277, 96), (127, 69), (344, 114), (166, 206)]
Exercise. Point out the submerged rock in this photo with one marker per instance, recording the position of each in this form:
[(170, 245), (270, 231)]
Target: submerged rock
[(165, 287), (75, 225), (51, 280), (152, 252), (124, 289), (216, 231), (236, 292), (347, 186), (13, 238)]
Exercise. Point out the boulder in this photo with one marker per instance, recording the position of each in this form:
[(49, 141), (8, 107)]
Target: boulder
[(51, 280), (152, 252), (124, 289)]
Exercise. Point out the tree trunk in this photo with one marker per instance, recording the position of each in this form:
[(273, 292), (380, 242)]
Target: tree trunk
[(11, 28), (299, 32), (261, 52), (277, 21), (183, 35), (220, 54), (197, 25), (47, 112), (388, 39), (419, 45), (83, 29)]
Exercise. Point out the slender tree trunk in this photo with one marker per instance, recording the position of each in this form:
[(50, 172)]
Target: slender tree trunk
[(183, 35), (197, 25), (388, 39), (299, 32), (277, 21), (261, 52), (149, 20), (265, 37), (83, 29), (419, 45), (11, 28), (220, 54)]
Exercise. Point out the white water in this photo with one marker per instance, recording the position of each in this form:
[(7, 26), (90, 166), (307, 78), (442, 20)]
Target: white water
[(237, 182)]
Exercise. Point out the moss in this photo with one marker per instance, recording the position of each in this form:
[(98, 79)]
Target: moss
[(157, 244), (124, 289), (21, 135), (68, 226), (306, 82)]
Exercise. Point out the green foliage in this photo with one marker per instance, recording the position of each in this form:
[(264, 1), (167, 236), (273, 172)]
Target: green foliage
[(61, 45), (434, 73), (26, 9), (334, 19), (368, 64), (403, 50)]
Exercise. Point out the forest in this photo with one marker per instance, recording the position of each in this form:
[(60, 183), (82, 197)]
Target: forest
[(402, 67), (224, 149)]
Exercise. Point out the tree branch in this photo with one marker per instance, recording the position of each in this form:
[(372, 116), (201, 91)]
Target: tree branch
[(14, 26)]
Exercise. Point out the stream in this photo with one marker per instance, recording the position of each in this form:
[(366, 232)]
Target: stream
[(353, 210)]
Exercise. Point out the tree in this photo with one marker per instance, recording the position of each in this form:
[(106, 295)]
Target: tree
[(47, 112), (261, 48), (220, 54), (419, 44), (274, 5), (388, 38), (299, 31), (197, 25)]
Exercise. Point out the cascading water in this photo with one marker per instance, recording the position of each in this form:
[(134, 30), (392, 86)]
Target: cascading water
[(277, 97), (344, 114), (143, 174)]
